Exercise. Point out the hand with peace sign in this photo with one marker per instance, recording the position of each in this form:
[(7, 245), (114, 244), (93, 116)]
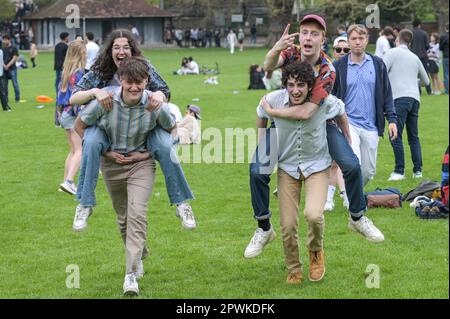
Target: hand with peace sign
[(286, 40)]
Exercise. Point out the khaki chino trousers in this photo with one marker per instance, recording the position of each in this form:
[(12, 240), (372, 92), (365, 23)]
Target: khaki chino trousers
[(130, 187), (289, 190)]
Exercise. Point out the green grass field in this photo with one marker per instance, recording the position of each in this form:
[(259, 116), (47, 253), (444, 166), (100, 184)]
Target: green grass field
[(36, 221)]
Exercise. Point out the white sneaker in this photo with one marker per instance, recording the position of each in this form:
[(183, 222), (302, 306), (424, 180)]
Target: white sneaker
[(184, 211), (81, 216), (140, 270), (365, 227), (130, 285), (396, 177), (68, 187), (260, 239), (329, 206), (344, 197), (417, 174)]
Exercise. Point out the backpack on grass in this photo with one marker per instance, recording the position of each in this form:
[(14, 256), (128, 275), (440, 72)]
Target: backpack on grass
[(388, 197)]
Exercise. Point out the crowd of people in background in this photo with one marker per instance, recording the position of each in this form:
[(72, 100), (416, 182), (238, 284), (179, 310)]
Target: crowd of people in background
[(207, 37)]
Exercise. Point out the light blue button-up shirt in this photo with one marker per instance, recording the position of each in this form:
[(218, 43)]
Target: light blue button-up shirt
[(302, 145), (360, 94)]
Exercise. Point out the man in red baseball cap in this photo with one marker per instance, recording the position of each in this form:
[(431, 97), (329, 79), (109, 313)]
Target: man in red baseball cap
[(311, 36), (315, 18)]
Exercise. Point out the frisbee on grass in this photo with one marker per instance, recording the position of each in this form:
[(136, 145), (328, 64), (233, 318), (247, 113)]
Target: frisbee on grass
[(44, 99)]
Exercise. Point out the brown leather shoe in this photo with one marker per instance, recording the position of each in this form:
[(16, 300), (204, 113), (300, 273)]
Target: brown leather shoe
[(295, 278), (316, 265)]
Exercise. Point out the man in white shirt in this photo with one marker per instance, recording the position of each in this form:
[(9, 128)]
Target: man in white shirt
[(92, 50), (192, 67), (135, 32), (403, 68), (382, 45), (232, 39)]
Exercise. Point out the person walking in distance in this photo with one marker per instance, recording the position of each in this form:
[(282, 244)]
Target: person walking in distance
[(404, 68)]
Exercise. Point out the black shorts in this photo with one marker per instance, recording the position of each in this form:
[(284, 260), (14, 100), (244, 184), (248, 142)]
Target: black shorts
[(433, 67)]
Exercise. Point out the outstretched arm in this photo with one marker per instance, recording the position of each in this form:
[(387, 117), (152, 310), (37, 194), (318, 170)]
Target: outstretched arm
[(296, 112), (83, 97), (273, 59)]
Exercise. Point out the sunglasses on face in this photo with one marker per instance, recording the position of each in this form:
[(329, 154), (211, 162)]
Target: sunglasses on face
[(339, 50)]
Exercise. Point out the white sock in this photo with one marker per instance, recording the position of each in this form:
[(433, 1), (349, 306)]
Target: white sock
[(182, 204), (331, 190)]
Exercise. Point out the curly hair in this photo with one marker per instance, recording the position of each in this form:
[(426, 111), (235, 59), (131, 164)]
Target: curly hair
[(300, 71), (104, 66)]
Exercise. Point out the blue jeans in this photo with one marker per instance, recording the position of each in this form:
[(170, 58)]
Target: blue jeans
[(57, 80), (12, 74), (95, 143), (445, 64), (261, 168), (3, 99), (407, 110), (160, 144), (340, 151)]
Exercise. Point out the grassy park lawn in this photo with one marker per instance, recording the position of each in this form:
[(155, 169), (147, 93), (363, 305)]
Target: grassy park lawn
[(38, 243)]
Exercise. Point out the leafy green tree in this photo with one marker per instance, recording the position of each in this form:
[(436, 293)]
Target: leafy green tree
[(441, 11), (8, 10), (280, 13)]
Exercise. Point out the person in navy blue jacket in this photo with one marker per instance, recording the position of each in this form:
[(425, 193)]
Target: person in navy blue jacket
[(362, 82)]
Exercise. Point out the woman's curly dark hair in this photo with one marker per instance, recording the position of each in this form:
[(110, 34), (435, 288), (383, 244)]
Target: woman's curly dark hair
[(104, 66), (300, 71)]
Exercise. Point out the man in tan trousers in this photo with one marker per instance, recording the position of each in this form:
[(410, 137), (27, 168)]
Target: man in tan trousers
[(128, 169), (303, 158)]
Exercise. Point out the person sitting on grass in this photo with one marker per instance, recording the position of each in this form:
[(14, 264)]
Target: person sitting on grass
[(302, 158), (188, 129), (188, 66), (128, 168)]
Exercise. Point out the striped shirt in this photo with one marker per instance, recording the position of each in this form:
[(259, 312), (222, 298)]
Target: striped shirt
[(127, 127), (360, 95)]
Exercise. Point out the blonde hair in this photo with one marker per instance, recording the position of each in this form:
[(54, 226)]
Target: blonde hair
[(75, 60), (359, 28)]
